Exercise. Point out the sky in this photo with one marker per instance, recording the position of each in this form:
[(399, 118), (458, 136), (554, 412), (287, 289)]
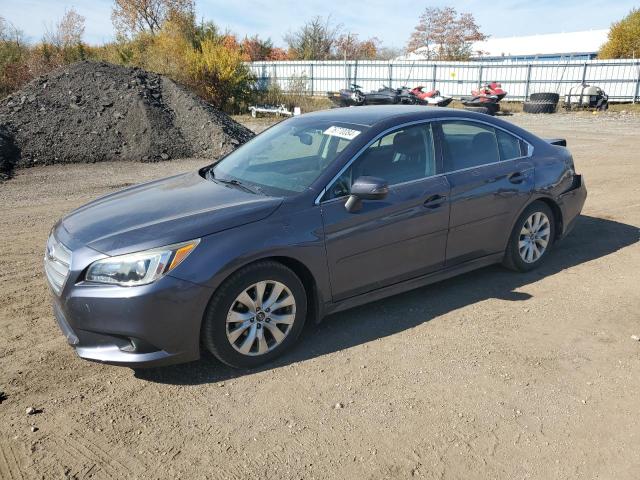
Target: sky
[(391, 22)]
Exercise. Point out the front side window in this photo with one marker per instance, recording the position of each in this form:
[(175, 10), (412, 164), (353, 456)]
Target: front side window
[(402, 156), (288, 157)]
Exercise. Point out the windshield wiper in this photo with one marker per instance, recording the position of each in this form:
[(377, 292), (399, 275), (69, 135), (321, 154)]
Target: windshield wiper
[(231, 181)]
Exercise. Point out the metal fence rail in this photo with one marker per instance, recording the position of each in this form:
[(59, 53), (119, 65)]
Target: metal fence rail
[(619, 78)]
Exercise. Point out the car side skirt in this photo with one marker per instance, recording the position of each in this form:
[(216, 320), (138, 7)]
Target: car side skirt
[(413, 283)]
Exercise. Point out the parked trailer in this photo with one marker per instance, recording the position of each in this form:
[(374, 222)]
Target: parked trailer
[(277, 110)]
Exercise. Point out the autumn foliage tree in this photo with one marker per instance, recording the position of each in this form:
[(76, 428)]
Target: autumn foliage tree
[(348, 46), (445, 34), (68, 31), (256, 49), (624, 38), (13, 55), (315, 40), (321, 39), (134, 16), (60, 46)]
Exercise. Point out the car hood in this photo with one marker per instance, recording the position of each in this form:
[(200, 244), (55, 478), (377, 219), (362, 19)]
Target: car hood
[(162, 212)]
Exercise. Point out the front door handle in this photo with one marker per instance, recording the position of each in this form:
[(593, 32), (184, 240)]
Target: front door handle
[(434, 201), (516, 178)]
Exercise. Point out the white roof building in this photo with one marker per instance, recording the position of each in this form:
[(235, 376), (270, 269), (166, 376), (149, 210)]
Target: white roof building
[(550, 46)]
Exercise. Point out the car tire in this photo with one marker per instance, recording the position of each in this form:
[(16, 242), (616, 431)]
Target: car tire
[(526, 251), (485, 110), (220, 335), (539, 107), (545, 97)]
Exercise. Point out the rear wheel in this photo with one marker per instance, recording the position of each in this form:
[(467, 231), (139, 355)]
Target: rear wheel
[(255, 315), (531, 238)]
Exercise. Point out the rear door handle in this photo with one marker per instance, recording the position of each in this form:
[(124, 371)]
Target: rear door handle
[(516, 177), (434, 201)]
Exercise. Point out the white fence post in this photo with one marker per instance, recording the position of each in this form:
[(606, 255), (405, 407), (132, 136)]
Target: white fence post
[(526, 87), (637, 92)]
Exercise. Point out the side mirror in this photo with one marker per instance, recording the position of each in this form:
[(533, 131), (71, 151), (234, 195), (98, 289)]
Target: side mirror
[(366, 188)]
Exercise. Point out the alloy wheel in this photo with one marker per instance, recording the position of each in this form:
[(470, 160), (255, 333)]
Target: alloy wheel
[(261, 317), (534, 237)]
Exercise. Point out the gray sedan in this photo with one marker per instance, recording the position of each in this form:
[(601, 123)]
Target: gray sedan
[(320, 213)]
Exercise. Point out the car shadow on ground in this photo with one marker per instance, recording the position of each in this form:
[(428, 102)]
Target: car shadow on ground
[(591, 238)]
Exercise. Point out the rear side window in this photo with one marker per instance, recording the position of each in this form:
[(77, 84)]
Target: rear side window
[(510, 146), (468, 145)]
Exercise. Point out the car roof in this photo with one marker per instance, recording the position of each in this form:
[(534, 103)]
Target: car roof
[(370, 115)]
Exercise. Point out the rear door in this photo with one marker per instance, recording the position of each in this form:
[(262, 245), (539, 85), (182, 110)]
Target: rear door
[(394, 239), (491, 179)]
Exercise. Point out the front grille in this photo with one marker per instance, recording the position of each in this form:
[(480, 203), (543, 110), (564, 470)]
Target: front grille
[(57, 261)]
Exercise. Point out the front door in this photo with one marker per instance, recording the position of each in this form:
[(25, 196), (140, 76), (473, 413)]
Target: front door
[(390, 240)]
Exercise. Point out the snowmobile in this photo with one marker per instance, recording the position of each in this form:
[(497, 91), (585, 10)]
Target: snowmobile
[(433, 97)]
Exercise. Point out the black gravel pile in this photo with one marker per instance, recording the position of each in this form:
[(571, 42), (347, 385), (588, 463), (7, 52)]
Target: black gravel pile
[(9, 153), (90, 112)]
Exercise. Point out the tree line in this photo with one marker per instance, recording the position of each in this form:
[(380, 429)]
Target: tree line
[(164, 36)]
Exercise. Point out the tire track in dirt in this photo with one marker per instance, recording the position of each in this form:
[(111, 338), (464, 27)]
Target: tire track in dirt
[(82, 450), (9, 463)]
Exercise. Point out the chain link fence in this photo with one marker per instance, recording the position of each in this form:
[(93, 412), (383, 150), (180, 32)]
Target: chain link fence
[(620, 79)]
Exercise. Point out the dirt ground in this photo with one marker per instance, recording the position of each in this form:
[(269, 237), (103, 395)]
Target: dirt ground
[(489, 375)]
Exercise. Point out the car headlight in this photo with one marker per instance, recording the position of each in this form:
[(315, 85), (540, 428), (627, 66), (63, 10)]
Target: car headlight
[(139, 268)]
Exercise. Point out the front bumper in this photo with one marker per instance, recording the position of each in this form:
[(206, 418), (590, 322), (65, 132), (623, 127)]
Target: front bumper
[(150, 325)]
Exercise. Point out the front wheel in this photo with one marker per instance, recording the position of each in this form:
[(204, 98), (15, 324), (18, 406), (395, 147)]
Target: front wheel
[(531, 238), (255, 315)]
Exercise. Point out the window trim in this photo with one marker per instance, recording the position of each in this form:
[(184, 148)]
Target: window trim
[(318, 200)]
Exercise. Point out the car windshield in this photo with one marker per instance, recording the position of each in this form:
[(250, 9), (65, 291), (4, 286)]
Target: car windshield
[(287, 158)]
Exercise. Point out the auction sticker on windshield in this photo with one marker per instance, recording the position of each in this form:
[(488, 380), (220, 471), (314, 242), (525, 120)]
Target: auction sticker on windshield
[(346, 133)]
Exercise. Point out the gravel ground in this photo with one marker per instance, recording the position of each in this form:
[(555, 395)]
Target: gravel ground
[(489, 375)]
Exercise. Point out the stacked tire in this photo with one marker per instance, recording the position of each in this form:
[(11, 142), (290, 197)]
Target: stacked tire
[(542, 103)]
